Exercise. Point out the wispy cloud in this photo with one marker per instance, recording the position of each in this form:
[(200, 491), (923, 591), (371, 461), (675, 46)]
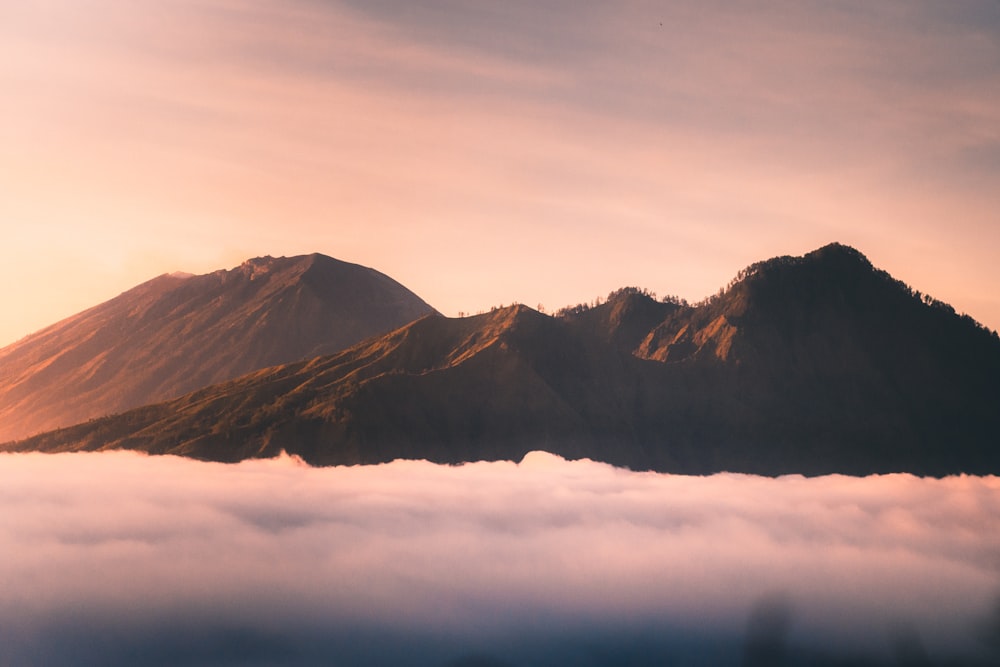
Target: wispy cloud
[(557, 133)]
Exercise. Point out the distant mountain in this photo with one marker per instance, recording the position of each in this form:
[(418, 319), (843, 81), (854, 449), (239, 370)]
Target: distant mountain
[(813, 364), (177, 333)]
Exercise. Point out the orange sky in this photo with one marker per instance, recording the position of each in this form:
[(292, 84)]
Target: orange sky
[(485, 153)]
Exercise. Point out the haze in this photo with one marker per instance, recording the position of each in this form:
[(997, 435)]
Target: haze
[(116, 558), (485, 153)]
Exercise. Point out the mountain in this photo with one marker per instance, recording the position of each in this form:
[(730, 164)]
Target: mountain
[(177, 333), (814, 364)]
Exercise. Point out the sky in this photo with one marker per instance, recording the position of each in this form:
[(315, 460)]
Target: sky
[(122, 559), (542, 152)]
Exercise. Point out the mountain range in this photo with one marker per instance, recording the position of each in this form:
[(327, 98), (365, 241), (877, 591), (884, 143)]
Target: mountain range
[(814, 364)]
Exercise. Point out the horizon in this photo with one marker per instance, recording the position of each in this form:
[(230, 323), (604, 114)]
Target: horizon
[(540, 307), (480, 155)]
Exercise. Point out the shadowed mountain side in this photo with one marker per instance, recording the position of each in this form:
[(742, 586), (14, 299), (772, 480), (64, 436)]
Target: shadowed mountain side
[(813, 365), (493, 386), (830, 348), (177, 333)]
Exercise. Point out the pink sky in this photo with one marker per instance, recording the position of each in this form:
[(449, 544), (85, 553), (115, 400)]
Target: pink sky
[(485, 153)]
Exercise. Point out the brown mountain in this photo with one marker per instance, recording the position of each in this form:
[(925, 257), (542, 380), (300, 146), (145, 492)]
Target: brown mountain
[(177, 333), (812, 364)]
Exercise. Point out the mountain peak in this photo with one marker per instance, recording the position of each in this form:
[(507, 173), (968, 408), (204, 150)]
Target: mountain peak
[(257, 266), (625, 317), (838, 251), (315, 268), (838, 257), (835, 257), (266, 263), (177, 333), (508, 318), (265, 260)]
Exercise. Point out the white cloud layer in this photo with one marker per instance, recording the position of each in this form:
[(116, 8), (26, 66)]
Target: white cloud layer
[(117, 558)]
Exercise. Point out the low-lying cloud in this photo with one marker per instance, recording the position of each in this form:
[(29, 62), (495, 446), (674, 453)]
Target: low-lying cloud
[(117, 558)]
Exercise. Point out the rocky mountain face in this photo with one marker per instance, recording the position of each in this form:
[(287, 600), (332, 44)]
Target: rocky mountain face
[(814, 364), (177, 333)]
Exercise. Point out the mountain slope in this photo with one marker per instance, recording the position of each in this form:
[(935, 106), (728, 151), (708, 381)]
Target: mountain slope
[(814, 365), (176, 333), (431, 390)]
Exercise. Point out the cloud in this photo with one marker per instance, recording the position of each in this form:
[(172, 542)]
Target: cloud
[(117, 555), (666, 144)]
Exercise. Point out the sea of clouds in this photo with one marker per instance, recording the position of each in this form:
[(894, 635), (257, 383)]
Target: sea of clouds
[(119, 558)]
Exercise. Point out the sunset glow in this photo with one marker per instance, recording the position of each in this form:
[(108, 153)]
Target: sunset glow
[(485, 153)]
